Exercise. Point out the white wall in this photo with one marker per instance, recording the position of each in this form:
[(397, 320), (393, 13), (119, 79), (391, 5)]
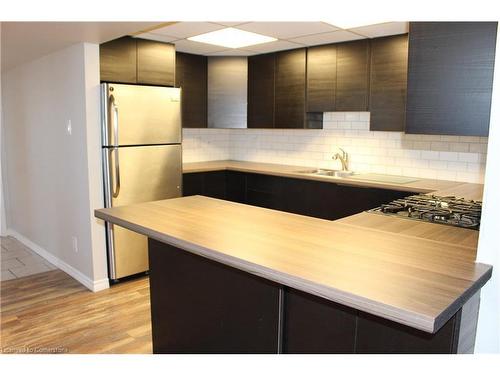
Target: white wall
[(94, 165), (488, 332), (427, 156), (3, 226), (53, 178)]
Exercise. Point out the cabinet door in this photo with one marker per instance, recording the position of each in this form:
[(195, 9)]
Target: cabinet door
[(388, 77), (322, 200), (381, 336), (450, 77), (260, 112), (155, 63), (192, 184), (264, 191), (315, 325), (191, 76), (290, 89), (118, 60), (321, 78), (353, 199), (214, 184), (202, 306), (236, 184), (352, 76)]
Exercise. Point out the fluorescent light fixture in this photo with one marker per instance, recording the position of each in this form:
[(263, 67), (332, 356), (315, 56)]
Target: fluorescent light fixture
[(232, 38), (352, 24)]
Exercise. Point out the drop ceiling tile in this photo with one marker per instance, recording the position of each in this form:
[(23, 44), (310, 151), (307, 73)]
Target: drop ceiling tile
[(230, 24), (382, 29), (233, 52), (326, 38), (184, 45), (187, 29), (287, 30), (279, 45), (157, 37)]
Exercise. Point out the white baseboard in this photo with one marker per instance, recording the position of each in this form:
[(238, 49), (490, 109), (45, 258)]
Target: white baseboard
[(93, 285)]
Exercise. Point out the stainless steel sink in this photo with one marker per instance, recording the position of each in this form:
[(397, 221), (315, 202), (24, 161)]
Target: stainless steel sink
[(321, 172), (360, 176), (327, 172)]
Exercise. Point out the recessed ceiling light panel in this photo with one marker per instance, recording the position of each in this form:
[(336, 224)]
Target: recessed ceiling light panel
[(232, 38)]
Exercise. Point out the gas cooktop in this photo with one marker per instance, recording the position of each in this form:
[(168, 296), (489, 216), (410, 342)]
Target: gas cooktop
[(454, 211)]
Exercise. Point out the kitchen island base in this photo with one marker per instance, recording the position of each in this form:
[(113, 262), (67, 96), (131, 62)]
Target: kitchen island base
[(199, 305)]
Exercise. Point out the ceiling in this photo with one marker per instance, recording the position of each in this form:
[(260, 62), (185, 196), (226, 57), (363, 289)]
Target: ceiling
[(289, 34), (26, 41)]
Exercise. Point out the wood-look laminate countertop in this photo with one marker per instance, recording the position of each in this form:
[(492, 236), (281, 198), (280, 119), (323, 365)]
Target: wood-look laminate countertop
[(420, 185), (408, 274)]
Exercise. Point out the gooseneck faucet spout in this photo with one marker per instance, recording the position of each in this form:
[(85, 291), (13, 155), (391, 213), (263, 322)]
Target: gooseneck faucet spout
[(344, 159)]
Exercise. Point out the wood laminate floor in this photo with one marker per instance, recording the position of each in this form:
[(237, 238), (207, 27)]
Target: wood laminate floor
[(52, 313)]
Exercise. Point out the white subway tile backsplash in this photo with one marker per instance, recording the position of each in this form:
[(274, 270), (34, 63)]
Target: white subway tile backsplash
[(337, 115), (430, 155), (422, 145), (449, 156), (352, 116), (469, 157), (364, 116), (458, 166), (478, 147), (419, 155), (459, 146), (440, 146)]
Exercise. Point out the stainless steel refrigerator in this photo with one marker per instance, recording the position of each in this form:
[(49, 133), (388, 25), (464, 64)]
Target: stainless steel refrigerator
[(142, 161)]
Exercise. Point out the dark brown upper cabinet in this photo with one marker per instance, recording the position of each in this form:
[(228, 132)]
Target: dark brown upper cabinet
[(118, 60), (191, 76), (155, 63), (388, 77), (353, 61), (321, 78), (450, 77), (137, 61), (260, 111), (290, 89)]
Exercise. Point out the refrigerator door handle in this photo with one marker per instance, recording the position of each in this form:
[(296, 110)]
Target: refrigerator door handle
[(116, 182), (114, 119), (114, 115)]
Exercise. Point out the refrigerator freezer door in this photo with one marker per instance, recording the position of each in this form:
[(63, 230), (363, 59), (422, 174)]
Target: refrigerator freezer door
[(140, 115), (147, 173)]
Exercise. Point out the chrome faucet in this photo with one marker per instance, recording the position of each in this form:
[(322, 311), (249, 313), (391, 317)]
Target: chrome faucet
[(344, 159)]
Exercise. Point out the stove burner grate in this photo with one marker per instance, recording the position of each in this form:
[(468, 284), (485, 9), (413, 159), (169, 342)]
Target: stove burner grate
[(443, 210)]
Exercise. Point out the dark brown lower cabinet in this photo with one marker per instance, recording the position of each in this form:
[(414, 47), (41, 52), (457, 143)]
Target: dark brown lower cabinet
[(210, 184), (201, 306), (380, 336), (313, 325), (324, 200)]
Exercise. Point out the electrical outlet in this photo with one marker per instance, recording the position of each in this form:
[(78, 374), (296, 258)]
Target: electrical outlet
[(74, 241)]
